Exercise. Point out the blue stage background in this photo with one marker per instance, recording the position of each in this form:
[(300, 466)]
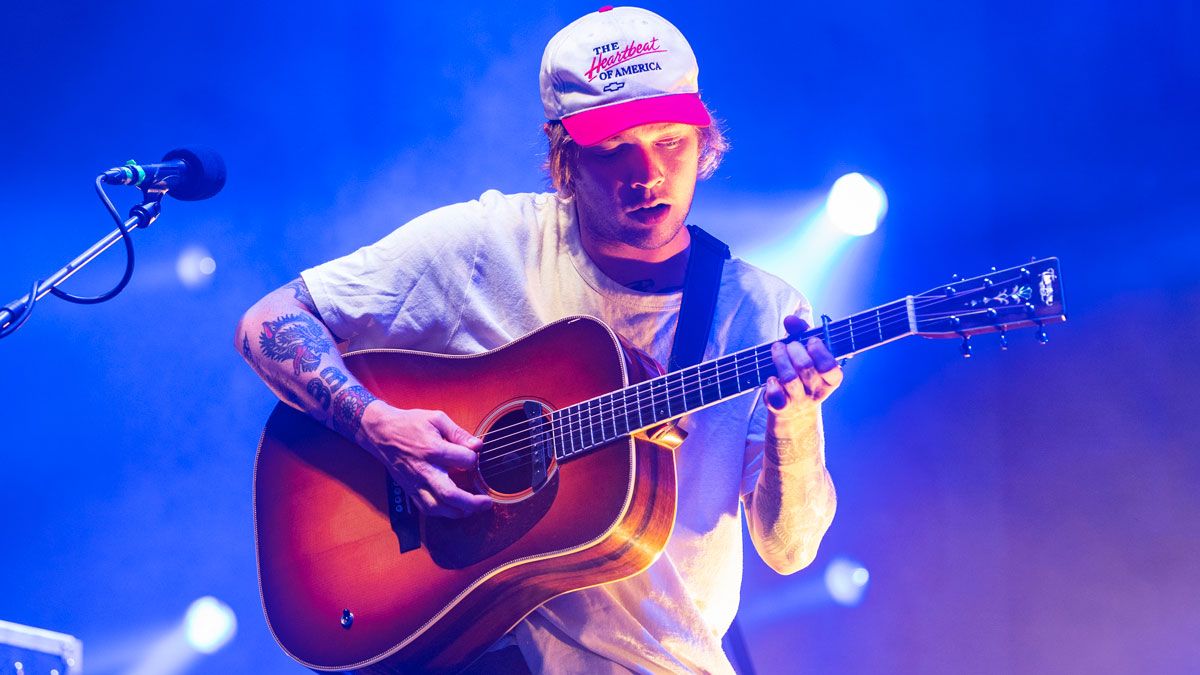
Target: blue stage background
[(1035, 510)]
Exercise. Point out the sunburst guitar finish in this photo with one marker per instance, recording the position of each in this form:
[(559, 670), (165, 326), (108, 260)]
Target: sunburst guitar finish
[(339, 593)]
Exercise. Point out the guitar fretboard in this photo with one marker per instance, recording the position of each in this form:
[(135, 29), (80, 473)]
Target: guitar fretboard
[(577, 429)]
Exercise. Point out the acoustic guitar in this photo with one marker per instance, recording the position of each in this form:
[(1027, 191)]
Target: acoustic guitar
[(577, 456)]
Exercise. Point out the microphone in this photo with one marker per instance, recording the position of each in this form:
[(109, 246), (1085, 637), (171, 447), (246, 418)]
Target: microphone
[(189, 174)]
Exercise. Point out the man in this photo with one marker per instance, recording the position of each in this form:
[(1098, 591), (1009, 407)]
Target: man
[(628, 138)]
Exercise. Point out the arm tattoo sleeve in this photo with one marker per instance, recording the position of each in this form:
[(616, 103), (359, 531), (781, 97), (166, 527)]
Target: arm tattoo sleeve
[(334, 378), (795, 500), (319, 391), (348, 407), (294, 337), (300, 291)]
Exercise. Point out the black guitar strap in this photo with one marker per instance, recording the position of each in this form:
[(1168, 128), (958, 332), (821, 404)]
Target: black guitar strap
[(701, 283)]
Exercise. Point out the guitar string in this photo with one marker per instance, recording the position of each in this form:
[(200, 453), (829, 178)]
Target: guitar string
[(573, 414), (576, 422), (515, 457), (575, 419), (867, 327), (507, 459), (573, 426)]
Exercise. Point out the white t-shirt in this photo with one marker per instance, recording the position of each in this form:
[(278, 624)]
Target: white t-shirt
[(474, 276)]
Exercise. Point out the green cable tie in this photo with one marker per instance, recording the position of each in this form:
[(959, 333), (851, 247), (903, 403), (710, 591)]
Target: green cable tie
[(141, 173)]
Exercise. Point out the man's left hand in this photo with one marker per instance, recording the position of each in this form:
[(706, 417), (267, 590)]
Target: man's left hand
[(808, 373)]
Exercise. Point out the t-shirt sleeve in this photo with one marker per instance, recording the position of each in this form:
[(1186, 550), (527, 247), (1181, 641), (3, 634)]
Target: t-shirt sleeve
[(757, 429), (406, 290)]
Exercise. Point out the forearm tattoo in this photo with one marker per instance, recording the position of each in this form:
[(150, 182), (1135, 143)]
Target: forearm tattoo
[(324, 387), (348, 407), (246, 346), (295, 337), (300, 291), (320, 392), (795, 500), (334, 378)]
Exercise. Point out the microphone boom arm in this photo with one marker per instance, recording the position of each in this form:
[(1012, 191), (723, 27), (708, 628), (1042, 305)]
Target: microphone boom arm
[(14, 314)]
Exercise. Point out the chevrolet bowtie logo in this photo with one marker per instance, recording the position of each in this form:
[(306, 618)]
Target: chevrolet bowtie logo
[(613, 86)]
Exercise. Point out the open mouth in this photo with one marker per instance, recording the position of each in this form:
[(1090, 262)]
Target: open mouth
[(651, 214)]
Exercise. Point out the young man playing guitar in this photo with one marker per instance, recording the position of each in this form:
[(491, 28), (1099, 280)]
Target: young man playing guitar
[(628, 139)]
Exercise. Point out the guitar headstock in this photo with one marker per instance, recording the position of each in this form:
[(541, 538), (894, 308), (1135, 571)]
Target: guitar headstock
[(1030, 295)]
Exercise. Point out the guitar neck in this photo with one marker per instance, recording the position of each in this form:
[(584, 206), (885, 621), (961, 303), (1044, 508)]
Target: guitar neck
[(590, 424)]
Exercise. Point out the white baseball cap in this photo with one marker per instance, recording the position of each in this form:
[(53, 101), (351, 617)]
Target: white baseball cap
[(618, 68)]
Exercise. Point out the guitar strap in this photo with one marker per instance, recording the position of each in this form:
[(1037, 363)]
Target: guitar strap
[(701, 282)]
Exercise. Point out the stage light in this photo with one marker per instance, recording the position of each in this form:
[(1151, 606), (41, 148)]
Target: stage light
[(856, 204), (195, 266), (846, 581), (209, 624)]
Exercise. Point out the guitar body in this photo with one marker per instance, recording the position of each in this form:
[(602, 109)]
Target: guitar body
[(339, 593)]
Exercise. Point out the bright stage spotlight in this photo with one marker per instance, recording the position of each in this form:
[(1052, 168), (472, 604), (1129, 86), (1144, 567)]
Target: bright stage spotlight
[(195, 266), (856, 204), (209, 624), (843, 583), (846, 581)]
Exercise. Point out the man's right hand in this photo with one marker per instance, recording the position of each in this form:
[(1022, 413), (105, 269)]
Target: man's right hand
[(419, 448), (294, 353)]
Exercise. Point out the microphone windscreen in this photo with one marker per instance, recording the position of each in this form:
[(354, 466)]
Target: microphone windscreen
[(205, 174)]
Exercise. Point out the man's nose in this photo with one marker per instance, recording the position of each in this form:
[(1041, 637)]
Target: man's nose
[(645, 169)]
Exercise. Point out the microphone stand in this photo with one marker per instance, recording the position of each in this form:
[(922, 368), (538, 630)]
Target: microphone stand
[(140, 216)]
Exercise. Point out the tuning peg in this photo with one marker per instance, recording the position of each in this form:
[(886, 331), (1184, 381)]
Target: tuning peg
[(950, 289), (956, 323), (994, 316)]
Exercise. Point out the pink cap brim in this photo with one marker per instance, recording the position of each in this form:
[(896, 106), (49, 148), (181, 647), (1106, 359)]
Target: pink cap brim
[(592, 126)]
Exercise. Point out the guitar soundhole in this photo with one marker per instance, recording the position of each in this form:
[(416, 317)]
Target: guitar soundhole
[(516, 458)]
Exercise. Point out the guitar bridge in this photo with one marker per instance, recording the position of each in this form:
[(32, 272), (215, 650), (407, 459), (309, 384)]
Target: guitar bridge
[(538, 432)]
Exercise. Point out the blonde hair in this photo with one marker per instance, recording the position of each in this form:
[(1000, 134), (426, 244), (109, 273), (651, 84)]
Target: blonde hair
[(563, 153)]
